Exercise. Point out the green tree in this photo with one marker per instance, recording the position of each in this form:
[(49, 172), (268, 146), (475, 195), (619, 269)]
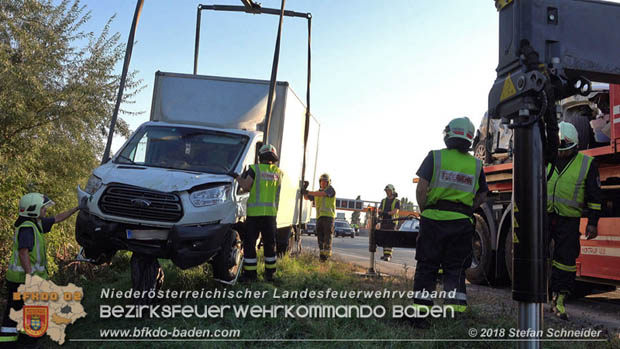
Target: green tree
[(57, 93)]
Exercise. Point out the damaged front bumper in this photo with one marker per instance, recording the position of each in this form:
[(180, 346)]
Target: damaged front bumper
[(186, 246)]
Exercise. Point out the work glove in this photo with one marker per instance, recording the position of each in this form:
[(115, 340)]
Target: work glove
[(83, 204), (304, 191), (306, 184)]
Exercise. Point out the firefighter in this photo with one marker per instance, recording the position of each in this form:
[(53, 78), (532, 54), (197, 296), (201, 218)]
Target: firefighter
[(388, 211), (264, 181), (573, 190), (452, 184), (29, 256), (325, 202)]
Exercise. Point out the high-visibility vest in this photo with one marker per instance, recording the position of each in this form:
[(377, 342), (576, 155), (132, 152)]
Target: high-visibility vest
[(453, 186), (38, 257), (325, 206), (265, 192), (395, 216), (566, 190)]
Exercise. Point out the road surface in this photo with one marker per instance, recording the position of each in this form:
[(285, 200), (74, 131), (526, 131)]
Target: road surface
[(596, 309)]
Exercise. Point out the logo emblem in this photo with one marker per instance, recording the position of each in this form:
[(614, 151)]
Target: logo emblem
[(140, 203), (35, 320)]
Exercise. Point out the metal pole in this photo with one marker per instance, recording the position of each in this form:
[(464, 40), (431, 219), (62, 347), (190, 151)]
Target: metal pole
[(306, 129), (274, 74), (531, 317), (119, 97), (197, 43), (529, 286)]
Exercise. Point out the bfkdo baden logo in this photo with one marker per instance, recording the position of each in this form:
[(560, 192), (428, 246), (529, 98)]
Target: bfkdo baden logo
[(36, 319)]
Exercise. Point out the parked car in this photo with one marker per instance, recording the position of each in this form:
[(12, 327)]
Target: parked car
[(310, 227), (410, 226), (342, 228)]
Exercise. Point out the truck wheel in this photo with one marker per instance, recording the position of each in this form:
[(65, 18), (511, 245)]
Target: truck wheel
[(284, 241), (227, 262), (481, 270), (146, 275)]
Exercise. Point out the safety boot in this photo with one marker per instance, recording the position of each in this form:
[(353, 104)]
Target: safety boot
[(248, 276), (558, 305)]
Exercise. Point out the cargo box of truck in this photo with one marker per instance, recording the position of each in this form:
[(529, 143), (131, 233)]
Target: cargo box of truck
[(168, 193)]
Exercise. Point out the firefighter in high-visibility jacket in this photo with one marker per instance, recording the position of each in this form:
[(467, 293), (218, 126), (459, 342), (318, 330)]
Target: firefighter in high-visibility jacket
[(573, 190), (325, 202), (451, 185), (388, 212), (28, 257), (264, 181)]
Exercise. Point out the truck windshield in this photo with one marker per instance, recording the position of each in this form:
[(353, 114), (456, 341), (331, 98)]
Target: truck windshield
[(184, 148)]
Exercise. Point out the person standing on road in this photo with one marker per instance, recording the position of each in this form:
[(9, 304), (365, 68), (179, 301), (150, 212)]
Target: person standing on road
[(29, 257), (264, 181), (325, 202), (451, 186), (574, 189), (388, 212)]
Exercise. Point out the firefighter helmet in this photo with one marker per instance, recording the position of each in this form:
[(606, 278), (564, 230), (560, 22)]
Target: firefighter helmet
[(325, 177), (390, 187), (569, 137), (268, 152), (460, 128), (30, 205)]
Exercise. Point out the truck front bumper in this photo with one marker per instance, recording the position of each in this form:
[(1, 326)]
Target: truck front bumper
[(186, 246)]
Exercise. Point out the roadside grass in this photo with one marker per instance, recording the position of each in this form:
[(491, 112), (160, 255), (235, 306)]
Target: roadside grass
[(301, 272)]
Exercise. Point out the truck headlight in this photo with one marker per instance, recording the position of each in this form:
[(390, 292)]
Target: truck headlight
[(93, 184), (209, 197)]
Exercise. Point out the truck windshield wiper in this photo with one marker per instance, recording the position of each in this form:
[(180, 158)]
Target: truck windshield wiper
[(126, 158)]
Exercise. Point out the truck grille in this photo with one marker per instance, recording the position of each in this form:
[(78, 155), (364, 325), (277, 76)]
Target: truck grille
[(140, 203)]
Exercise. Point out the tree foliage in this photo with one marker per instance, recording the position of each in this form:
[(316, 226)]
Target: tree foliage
[(57, 95)]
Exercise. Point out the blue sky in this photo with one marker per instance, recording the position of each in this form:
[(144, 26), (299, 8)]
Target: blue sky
[(387, 75)]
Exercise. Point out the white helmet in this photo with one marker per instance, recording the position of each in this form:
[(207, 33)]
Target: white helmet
[(30, 205), (569, 138)]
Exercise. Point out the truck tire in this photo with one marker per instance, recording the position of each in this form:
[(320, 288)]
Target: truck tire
[(227, 262), (146, 275), (481, 270), (285, 241)]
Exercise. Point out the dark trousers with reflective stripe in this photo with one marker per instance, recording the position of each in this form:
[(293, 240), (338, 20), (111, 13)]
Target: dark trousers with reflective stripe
[(266, 226), (7, 323), (564, 232), (446, 244), (324, 235), (387, 250)]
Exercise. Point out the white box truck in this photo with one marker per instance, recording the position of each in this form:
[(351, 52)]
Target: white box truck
[(167, 193)]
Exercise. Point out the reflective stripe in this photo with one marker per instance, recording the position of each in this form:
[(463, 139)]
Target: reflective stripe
[(456, 307), (270, 259), (571, 203), (257, 179), (594, 206), (460, 296), (4, 329), (585, 164), (270, 266), (19, 268), (568, 268), (249, 267), (326, 253), (250, 260)]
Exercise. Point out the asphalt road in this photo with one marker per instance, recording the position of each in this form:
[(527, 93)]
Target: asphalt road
[(356, 251)]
